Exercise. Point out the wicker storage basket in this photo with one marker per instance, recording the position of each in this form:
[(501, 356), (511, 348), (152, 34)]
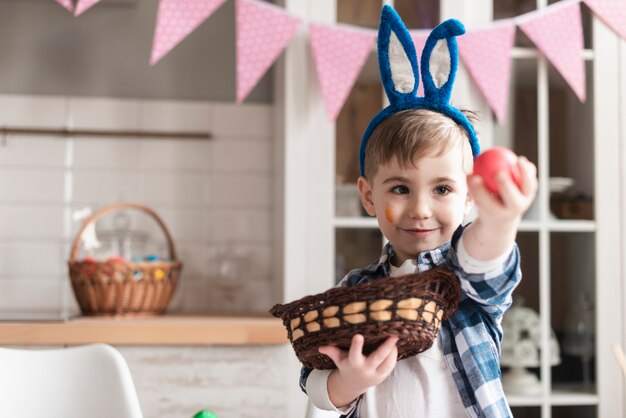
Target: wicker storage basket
[(122, 287), (410, 307)]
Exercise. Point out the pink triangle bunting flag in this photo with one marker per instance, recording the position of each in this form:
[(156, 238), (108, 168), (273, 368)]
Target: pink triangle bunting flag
[(612, 13), (558, 34), (83, 5), (176, 19), (67, 4), (339, 52), (486, 53), (263, 31), (419, 38)]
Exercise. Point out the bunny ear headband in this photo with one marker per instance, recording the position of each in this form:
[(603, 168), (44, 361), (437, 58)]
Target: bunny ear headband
[(399, 73)]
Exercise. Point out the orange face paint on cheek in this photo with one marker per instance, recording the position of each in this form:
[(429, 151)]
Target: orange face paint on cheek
[(389, 214)]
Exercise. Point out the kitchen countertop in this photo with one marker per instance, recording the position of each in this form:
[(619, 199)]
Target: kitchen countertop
[(149, 330)]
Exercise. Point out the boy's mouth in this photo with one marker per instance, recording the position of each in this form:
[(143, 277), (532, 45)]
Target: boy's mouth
[(420, 233)]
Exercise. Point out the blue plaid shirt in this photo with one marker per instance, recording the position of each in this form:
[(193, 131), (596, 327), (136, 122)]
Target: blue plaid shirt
[(471, 337)]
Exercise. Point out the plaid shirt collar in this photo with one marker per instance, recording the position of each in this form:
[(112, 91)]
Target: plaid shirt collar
[(425, 260)]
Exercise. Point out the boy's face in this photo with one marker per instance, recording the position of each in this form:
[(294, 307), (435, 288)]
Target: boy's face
[(418, 208)]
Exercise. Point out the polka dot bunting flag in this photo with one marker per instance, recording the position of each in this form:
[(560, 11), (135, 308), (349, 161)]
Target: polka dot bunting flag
[(176, 19), (83, 5), (263, 31), (612, 12), (339, 53), (486, 54), (67, 4), (558, 34)]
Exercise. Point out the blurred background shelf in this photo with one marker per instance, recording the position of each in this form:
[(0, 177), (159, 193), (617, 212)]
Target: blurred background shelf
[(154, 330)]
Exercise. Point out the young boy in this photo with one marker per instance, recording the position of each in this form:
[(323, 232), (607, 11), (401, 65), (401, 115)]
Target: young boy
[(416, 161)]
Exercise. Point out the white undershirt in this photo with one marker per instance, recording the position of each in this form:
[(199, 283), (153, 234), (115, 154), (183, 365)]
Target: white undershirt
[(421, 384)]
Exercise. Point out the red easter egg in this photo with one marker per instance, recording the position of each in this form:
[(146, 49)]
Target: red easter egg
[(494, 160)]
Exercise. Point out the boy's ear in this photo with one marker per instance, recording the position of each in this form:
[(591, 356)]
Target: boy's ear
[(365, 191)]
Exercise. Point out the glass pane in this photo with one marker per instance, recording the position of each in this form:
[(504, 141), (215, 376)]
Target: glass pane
[(519, 132), (521, 325), (571, 150), (359, 12), (418, 14), (355, 248), (526, 411), (364, 101), (503, 9), (527, 292), (572, 309), (577, 411)]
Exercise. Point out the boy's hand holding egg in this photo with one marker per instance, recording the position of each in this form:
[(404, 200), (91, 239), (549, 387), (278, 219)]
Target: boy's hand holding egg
[(493, 161), (502, 186)]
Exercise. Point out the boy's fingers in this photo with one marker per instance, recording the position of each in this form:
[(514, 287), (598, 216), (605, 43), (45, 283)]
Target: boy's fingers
[(382, 352), (355, 355), (333, 352), (479, 192), (529, 176), (511, 196), (389, 363)]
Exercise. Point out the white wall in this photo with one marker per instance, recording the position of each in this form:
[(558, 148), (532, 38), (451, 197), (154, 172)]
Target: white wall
[(212, 194), (106, 52)]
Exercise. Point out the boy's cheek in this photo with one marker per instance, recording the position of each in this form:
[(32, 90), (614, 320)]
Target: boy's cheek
[(389, 215)]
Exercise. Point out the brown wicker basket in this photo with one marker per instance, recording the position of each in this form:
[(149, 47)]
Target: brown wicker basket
[(410, 307), (122, 287)]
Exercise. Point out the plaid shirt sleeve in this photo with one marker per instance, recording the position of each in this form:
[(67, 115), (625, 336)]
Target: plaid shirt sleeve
[(492, 290)]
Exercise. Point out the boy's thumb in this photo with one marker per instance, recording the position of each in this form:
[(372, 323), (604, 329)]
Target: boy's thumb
[(331, 351)]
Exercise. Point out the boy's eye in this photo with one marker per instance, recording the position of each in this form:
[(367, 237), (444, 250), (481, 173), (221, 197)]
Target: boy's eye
[(400, 190), (442, 190)]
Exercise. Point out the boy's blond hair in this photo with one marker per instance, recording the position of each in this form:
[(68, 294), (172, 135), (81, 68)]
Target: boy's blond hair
[(413, 134)]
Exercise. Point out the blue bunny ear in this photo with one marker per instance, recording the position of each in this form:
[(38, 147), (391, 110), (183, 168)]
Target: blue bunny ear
[(440, 60), (397, 59)]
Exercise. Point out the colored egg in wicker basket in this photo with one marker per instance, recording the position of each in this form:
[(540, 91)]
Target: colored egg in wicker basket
[(410, 307), (122, 287)]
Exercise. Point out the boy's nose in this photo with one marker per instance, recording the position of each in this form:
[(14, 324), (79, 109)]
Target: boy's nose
[(421, 209)]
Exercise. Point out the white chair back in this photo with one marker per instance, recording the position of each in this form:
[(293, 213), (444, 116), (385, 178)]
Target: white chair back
[(86, 381)]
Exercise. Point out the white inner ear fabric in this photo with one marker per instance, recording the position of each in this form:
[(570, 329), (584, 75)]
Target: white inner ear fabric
[(440, 63), (401, 70)]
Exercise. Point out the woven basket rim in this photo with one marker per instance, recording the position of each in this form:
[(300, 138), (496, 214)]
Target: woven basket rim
[(120, 206), (282, 310), (410, 306), (132, 264)]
